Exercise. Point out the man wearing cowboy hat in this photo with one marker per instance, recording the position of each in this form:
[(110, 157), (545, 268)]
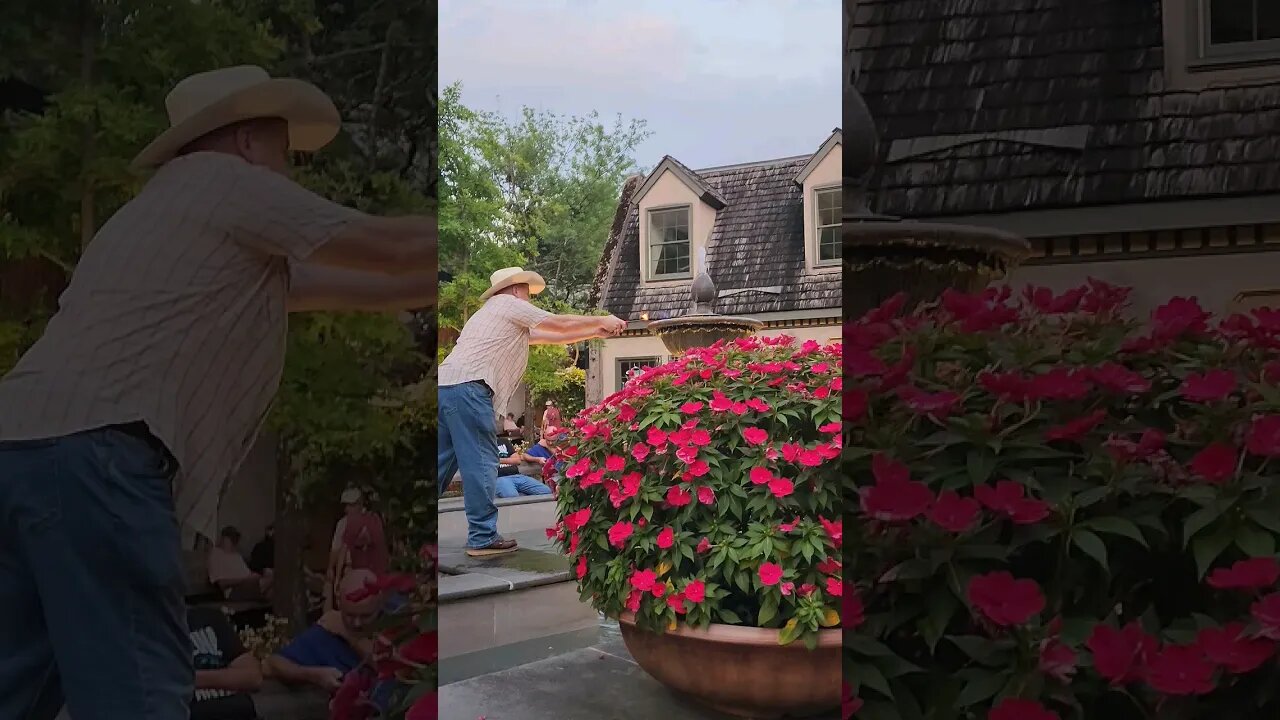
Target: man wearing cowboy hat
[(477, 381), (121, 425)]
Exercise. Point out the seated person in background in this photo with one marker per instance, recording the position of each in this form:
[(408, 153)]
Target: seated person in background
[(544, 452), (338, 643), (228, 570), (226, 673), (511, 483)]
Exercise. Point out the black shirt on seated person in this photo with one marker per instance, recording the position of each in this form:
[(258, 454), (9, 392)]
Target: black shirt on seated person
[(215, 645), (506, 450)]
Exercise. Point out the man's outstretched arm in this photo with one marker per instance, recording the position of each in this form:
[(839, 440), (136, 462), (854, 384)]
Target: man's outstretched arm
[(313, 286), (387, 245), (568, 329)]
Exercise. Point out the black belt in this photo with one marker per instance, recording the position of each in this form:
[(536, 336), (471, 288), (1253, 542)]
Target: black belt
[(139, 430)]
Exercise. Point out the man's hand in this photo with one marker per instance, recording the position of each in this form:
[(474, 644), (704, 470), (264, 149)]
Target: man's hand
[(613, 326), (326, 678)]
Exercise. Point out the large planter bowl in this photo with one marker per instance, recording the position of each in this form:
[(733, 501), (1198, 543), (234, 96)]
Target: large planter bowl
[(741, 671)]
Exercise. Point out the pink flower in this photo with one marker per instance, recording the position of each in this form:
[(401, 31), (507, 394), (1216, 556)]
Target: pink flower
[(954, 513), (755, 436), (614, 463), (575, 521), (706, 495), (760, 476), (781, 487), (1057, 660), (678, 496), (666, 538), (770, 573), (1007, 498), (640, 451), (703, 546), (696, 591), (691, 408), (1212, 386), (1020, 709), (1216, 463), (1252, 574), (1231, 648), (1004, 599), (656, 437), (619, 533)]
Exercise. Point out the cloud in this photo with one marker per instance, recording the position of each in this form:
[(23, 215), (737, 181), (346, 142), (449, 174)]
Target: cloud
[(719, 82)]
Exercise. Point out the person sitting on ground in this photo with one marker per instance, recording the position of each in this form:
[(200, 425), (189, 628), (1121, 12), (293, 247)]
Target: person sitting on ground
[(229, 572), (339, 642), (226, 673), (511, 482)]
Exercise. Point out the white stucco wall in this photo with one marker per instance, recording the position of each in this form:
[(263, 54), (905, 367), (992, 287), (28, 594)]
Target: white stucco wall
[(825, 175), (1215, 279)]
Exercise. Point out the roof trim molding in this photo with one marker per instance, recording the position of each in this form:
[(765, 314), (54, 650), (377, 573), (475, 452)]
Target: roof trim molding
[(834, 139), (1129, 217), (1067, 137), (691, 179)]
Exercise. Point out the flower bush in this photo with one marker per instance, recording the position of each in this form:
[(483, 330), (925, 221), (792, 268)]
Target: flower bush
[(401, 675), (1061, 513), (707, 491)]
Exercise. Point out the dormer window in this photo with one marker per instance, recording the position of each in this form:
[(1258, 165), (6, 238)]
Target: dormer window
[(1238, 31), (670, 254), (826, 202)]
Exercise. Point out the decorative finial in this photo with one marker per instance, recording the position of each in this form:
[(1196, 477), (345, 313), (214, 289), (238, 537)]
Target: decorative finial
[(703, 291)]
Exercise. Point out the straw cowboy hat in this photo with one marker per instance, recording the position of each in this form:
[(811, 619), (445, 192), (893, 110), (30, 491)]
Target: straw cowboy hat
[(210, 100), (506, 277)]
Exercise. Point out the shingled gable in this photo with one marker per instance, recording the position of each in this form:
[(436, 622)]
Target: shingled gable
[(1002, 105), (756, 251), (695, 182), (832, 142)]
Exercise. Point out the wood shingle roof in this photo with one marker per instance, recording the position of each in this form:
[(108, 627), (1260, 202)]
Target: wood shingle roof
[(756, 252), (1087, 74)]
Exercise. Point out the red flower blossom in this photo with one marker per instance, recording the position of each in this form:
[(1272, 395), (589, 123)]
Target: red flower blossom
[(1229, 647), (582, 566), (666, 538), (829, 566), (755, 436), (830, 428), (659, 589), (1252, 574), (1266, 612), (770, 573), (426, 707), (849, 703), (938, 405), (1020, 709), (1120, 655), (1120, 379), (954, 513), (1264, 436), (758, 405), (578, 469), (1179, 317), (640, 451), (1059, 384), (678, 496), (1211, 386), (643, 580), (691, 408), (619, 533), (781, 487), (1076, 429), (349, 701), (696, 591), (854, 405), (760, 475), (1043, 299), (1057, 660), (634, 599), (835, 586), (1004, 599), (656, 437), (575, 521), (861, 363), (834, 528), (614, 463), (1216, 463), (706, 495), (1007, 498), (699, 437), (696, 469), (896, 501), (1008, 387), (887, 470), (1180, 670)]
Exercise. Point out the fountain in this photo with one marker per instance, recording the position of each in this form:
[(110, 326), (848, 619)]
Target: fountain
[(885, 255), (702, 326)]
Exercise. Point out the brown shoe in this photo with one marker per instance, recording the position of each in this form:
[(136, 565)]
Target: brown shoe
[(497, 547)]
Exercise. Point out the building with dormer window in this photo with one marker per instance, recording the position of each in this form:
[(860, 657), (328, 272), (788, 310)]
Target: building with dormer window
[(768, 232)]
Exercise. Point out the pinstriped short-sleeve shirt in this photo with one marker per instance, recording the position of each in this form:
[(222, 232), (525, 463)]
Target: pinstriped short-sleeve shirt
[(176, 317), (494, 347)]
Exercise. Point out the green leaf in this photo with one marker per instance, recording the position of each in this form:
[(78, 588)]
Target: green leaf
[(983, 686), (870, 676), (981, 464), (1116, 526), (942, 606), (1255, 542), (981, 650), (1201, 519), (768, 610), (1091, 497), (865, 646), (1092, 545), (730, 617), (1265, 517), (1207, 548)]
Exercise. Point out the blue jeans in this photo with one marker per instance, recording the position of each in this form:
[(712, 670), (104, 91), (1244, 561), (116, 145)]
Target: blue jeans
[(91, 581), (468, 443), (517, 485)]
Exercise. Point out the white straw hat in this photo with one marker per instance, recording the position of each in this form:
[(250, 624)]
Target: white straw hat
[(506, 277), (210, 100)]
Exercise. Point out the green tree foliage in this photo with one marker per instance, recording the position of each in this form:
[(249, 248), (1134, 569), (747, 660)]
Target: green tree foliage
[(539, 191)]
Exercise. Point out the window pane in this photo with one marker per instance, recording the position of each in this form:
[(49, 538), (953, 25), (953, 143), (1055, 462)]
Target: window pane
[(1231, 21), (829, 244), (1268, 20), (669, 241)]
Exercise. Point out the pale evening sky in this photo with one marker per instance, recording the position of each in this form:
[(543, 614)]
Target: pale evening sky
[(718, 81)]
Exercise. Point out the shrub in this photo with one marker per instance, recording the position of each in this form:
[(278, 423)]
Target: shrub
[(707, 490), (1061, 512)]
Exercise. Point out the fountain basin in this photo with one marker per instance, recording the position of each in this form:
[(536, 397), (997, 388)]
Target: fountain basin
[(883, 258), (682, 333)]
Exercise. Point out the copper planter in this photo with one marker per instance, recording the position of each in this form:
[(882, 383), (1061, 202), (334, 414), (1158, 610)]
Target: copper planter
[(741, 671)]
